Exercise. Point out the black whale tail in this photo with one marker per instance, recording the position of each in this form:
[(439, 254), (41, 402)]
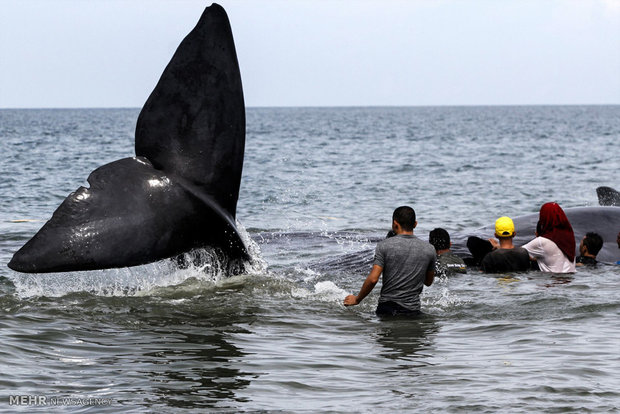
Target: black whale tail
[(180, 192), (193, 123)]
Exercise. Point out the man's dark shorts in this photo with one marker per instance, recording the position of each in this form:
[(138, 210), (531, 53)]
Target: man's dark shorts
[(390, 308)]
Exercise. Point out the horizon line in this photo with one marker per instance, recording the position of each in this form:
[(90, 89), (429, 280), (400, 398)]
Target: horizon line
[(330, 106)]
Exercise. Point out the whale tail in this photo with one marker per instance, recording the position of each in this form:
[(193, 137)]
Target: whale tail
[(193, 123), (180, 192)]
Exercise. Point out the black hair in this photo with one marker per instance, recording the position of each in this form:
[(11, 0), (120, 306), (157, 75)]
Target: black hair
[(405, 216), (439, 238), (593, 242)]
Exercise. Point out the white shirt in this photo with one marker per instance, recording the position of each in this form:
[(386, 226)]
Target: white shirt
[(550, 257)]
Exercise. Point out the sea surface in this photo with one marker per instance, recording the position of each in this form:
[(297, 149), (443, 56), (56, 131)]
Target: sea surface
[(318, 189)]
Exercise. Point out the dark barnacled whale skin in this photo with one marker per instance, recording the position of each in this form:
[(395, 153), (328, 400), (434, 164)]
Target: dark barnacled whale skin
[(180, 191), (607, 196)]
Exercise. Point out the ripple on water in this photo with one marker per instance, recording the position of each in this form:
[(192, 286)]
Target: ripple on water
[(277, 338)]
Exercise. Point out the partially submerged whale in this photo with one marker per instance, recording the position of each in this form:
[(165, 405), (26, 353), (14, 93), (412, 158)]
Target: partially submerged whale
[(180, 191), (602, 220), (607, 196)]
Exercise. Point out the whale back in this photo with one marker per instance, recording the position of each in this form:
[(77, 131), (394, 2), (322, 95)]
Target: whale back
[(602, 220)]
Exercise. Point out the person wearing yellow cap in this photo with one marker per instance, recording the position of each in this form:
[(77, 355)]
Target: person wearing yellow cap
[(505, 257)]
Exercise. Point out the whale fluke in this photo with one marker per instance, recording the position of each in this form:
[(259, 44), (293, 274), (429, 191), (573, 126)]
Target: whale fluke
[(193, 123), (607, 196), (180, 191)]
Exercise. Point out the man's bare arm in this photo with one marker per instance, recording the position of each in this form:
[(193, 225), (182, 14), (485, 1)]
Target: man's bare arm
[(430, 277), (367, 287)]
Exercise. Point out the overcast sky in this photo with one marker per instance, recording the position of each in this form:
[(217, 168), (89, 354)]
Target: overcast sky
[(110, 53)]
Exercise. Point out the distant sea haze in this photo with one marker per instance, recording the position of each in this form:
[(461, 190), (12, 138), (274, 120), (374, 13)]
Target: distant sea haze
[(318, 189)]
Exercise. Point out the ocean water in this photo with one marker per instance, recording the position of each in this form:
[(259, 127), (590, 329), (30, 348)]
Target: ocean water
[(318, 189)]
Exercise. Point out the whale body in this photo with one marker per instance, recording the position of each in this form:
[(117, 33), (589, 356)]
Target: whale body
[(180, 191), (602, 220)]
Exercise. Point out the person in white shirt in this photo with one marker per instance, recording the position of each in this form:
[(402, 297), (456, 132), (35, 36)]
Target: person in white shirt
[(554, 246)]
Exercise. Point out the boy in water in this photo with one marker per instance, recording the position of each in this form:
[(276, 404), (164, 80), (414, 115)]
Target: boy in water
[(447, 262), (589, 247)]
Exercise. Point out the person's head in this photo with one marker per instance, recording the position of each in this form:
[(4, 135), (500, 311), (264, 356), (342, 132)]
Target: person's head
[(439, 238), (405, 217), (552, 217), (504, 228), (592, 243), (554, 225)]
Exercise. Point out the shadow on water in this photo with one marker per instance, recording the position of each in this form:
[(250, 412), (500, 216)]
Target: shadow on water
[(406, 338), (558, 280), (198, 370)]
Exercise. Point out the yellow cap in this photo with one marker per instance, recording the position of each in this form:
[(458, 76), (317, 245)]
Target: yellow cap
[(504, 227)]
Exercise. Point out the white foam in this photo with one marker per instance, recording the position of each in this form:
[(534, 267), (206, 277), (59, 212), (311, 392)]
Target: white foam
[(326, 291), (329, 290), (308, 273), (113, 282)]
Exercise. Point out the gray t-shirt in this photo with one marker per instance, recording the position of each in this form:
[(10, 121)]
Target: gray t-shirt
[(405, 259)]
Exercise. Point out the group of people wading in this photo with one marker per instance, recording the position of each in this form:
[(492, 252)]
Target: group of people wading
[(408, 263)]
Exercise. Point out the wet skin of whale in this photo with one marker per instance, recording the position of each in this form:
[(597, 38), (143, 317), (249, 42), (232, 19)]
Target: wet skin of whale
[(602, 220), (607, 196), (180, 191)]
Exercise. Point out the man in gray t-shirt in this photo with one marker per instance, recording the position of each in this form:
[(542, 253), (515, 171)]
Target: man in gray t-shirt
[(407, 264)]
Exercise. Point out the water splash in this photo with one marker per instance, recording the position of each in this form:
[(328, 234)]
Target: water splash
[(256, 265), (205, 265), (326, 291), (307, 273), (439, 298)]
